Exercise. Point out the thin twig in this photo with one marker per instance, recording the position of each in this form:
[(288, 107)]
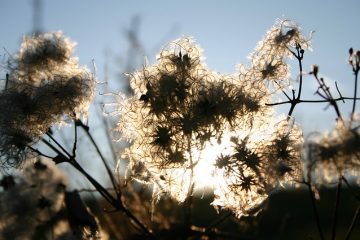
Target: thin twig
[(75, 142), (58, 144), (39, 152), (105, 123), (114, 202), (98, 186), (296, 100), (336, 210), (118, 205), (282, 90), (350, 188), (54, 149), (94, 190), (219, 220), (212, 225), (300, 55), (7, 81), (353, 223), (338, 90), (107, 167), (76, 165), (355, 91), (328, 96), (215, 234), (313, 202), (189, 199), (313, 101)]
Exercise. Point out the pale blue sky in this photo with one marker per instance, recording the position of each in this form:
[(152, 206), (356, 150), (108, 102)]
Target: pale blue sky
[(227, 31)]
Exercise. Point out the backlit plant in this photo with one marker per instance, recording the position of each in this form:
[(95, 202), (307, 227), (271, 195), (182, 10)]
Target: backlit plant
[(189, 129)]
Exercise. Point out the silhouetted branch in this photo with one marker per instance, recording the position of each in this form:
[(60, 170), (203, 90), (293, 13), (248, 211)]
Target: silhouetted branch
[(213, 233), (57, 144), (296, 100), (312, 101), (93, 190), (353, 223), (336, 209), (351, 188), (315, 211), (75, 142), (118, 205), (356, 72), (107, 167), (212, 225), (327, 94)]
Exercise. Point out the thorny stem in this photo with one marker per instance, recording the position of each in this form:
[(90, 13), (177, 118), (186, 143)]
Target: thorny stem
[(336, 210), (353, 223)]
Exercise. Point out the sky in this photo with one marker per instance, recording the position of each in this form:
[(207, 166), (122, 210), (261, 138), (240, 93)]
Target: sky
[(228, 31)]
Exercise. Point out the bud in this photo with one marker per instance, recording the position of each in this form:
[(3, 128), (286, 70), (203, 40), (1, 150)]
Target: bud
[(315, 69), (351, 51)]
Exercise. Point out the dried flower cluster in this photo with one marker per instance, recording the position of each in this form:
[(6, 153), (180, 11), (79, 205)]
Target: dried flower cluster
[(264, 158), (333, 154), (45, 83), (34, 204), (284, 35), (268, 61), (180, 107), (256, 164), (30, 199), (189, 128)]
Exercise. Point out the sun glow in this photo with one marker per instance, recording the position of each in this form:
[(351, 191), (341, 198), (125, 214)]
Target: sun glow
[(205, 177)]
